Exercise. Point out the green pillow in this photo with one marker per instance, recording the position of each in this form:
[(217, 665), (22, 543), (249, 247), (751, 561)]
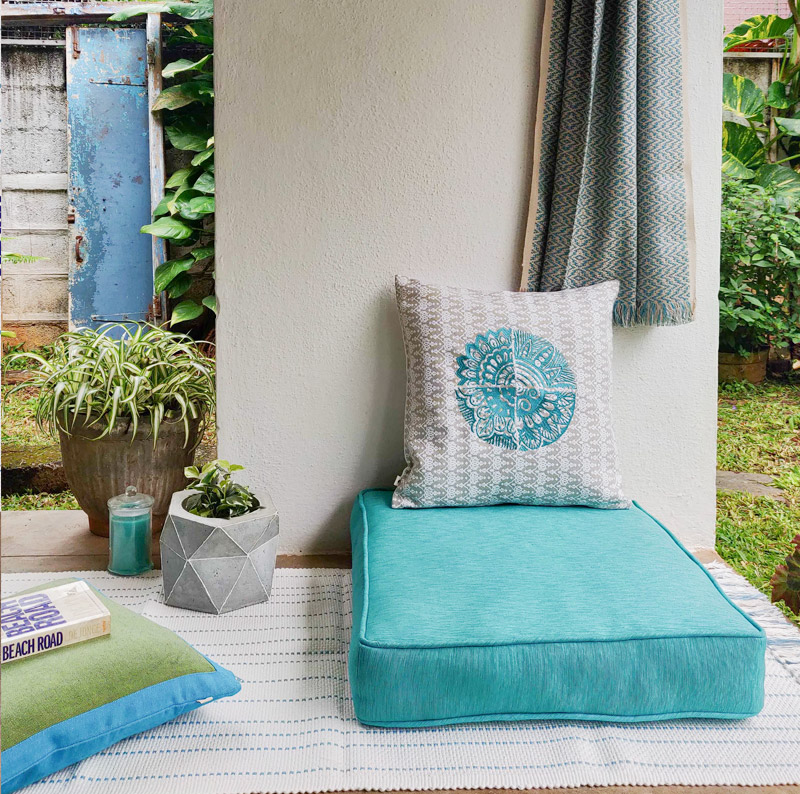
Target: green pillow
[(62, 706)]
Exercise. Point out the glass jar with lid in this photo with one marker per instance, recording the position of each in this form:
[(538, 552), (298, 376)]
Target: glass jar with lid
[(130, 533)]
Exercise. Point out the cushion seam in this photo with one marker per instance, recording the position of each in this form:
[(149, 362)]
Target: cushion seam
[(589, 716), (522, 643), (365, 549)]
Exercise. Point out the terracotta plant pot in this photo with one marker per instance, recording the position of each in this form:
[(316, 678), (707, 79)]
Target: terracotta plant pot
[(97, 469), (733, 367)]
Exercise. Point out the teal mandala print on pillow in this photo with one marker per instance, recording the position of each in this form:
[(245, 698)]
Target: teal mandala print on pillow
[(508, 397), (516, 390)]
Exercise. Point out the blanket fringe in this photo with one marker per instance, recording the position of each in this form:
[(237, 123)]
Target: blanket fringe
[(653, 312)]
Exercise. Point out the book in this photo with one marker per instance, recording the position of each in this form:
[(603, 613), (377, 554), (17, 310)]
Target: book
[(52, 618)]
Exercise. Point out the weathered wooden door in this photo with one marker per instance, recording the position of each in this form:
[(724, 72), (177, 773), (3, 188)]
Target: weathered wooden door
[(111, 264)]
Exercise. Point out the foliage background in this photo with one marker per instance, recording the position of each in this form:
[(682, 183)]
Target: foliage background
[(185, 215)]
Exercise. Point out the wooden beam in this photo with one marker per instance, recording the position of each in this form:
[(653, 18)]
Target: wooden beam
[(53, 12), (156, 133)]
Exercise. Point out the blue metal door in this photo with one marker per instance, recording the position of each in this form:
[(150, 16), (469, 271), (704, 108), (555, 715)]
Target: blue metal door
[(111, 271)]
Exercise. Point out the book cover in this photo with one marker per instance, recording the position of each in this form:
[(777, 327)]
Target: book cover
[(52, 618)]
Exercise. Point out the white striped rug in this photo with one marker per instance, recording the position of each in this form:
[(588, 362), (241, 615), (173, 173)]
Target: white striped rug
[(291, 728)]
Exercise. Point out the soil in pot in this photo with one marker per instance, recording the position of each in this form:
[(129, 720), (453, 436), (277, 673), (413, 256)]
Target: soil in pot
[(99, 468), (733, 367)]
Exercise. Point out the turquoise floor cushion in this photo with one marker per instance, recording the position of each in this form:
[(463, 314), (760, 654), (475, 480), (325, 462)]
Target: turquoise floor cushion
[(518, 612)]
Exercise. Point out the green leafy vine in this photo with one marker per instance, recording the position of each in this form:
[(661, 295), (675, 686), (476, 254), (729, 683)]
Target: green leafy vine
[(185, 215)]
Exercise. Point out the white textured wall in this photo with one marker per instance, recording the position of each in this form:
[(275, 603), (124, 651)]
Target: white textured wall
[(357, 139)]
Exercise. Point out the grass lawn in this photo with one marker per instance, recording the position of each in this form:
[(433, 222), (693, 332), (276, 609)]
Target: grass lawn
[(759, 431), (19, 426), (40, 501)]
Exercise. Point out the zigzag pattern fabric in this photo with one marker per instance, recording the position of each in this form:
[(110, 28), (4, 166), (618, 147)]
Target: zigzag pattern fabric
[(610, 187)]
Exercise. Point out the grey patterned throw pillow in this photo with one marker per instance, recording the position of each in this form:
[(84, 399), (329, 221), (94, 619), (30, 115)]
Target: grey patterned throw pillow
[(508, 397)]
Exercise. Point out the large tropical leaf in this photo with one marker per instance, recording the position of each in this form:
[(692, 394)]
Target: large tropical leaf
[(185, 134), (180, 177), (198, 159), (169, 228), (785, 180), (779, 97), (193, 205), (135, 10), (167, 271), (742, 150), (179, 285), (201, 32), (202, 252), (758, 28), (790, 126), (178, 96), (185, 310), (205, 183), (195, 9), (211, 302), (742, 97), (185, 65)]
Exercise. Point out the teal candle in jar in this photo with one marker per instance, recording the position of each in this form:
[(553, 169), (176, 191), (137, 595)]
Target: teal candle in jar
[(130, 519)]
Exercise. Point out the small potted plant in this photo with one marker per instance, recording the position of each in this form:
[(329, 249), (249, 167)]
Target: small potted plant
[(129, 407), (219, 542), (746, 321), (759, 298)]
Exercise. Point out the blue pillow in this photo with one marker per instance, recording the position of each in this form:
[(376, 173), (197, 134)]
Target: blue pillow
[(62, 706)]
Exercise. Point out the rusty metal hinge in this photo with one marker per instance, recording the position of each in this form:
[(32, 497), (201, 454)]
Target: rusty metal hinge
[(154, 311), (76, 42)]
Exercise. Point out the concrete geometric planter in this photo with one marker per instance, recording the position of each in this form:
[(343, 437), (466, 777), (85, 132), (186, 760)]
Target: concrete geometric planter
[(218, 564)]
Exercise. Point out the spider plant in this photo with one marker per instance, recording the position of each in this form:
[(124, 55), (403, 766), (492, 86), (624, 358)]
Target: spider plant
[(116, 372)]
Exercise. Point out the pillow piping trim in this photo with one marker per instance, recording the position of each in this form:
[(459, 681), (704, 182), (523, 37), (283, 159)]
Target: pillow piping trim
[(562, 715)]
